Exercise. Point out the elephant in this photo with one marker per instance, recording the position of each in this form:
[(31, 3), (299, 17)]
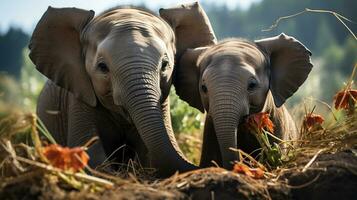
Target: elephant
[(234, 78), (110, 76)]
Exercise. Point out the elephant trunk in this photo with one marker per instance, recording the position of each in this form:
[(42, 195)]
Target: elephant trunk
[(227, 110), (141, 95)]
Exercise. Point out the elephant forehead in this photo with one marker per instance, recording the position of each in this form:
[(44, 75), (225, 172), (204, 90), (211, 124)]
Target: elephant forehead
[(124, 20), (131, 44), (237, 52), (227, 67)]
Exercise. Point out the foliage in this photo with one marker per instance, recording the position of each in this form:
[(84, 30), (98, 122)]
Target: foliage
[(9, 89), (184, 118), (187, 123), (262, 127), (24, 92)]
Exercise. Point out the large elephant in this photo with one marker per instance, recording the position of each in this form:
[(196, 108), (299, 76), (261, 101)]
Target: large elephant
[(235, 78), (110, 75)]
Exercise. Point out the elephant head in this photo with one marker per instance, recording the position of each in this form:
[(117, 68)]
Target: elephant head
[(231, 80), (123, 60)]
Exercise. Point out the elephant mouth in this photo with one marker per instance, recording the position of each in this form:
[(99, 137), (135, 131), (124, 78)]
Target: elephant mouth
[(242, 120), (254, 109), (116, 110), (123, 113)]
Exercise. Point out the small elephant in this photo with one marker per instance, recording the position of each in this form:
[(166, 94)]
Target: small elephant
[(110, 76), (235, 78)]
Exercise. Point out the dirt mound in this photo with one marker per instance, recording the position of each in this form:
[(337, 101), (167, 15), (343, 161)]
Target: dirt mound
[(217, 183), (330, 176)]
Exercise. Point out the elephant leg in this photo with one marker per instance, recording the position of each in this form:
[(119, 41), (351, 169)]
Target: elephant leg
[(114, 133), (247, 142), (68, 121), (210, 147), (96, 154), (52, 110), (82, 127)]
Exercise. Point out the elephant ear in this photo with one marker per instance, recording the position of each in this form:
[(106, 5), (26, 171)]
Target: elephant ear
[(55, 49), (289, 65), (191, 26), (188, 76), (192, 29)]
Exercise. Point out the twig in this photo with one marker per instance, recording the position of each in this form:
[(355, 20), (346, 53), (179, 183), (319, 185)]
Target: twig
[(173, 178), (281, 18), (280, 140), (104, 175), (112, 154), (130, 165), (338, 16), (311, 161), (306, 184), (90, 142), (350, 81), (41, 126), (324, 103), (250, 158), (348, 85), (35, 137), (53, 169), (10, 149), (215, 163), (19, 179)]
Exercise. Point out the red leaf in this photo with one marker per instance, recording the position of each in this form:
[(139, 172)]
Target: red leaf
[(313, 120), (73, 159), (344, 97), (242, 168), (261, 121)]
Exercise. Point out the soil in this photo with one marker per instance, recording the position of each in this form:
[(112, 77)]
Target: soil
[(331, 176)]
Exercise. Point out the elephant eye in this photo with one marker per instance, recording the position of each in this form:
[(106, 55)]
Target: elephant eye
[(164, 64), (252, 84), (103, 67), (204, 88)]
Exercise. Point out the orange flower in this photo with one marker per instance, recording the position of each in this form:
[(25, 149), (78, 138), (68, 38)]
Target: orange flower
[(313, 120), (65, 158), (260, 121), (242, 168), (345, 98)]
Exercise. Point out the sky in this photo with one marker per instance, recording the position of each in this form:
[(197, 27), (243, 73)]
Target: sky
[(26, 13)]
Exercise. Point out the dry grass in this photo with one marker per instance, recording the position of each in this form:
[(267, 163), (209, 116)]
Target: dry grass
[(20, 162)]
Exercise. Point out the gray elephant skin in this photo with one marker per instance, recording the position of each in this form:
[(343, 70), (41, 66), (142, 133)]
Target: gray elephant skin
[(110, 76), (235, 78)]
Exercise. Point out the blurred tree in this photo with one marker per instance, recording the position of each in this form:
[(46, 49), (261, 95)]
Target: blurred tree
[(326, 38), (11, 45), (249, 23), (349, 56)]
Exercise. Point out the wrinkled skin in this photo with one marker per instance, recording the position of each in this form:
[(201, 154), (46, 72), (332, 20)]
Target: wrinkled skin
[(235, 78), (110, 76)]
